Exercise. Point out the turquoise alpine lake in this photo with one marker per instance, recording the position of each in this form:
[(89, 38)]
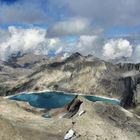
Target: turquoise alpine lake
[(51, 100), (103, 99), (47, 100)]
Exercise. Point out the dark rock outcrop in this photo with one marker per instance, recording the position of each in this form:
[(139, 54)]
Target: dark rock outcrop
[(67, 111), (129, 66), (127, 97), (130, 85), (73, 108)]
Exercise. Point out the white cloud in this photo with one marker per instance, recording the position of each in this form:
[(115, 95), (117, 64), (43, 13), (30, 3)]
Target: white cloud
[(35, 40), (52, 42), (85, 44), (88, 40), (26, 40), (89, 44), (117, 48), (73, 26)]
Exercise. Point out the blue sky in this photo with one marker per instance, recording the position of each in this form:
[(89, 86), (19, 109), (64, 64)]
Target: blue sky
[(122, 31), (9, 1)]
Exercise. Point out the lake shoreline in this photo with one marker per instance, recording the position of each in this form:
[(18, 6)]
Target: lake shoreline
[(73, 93)]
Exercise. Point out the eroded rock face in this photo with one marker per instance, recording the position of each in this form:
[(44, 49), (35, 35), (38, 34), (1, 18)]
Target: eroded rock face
[(73, 108), (137, 96), (129, 66), (128, 96), (131, 93)]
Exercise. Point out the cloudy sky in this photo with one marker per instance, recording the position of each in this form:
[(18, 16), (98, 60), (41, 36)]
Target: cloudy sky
[(105, 28)]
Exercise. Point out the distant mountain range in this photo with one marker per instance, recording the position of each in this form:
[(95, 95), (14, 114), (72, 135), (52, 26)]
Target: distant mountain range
[(76, 73)]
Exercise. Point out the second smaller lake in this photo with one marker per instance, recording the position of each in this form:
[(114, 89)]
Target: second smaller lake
[(103, 99)]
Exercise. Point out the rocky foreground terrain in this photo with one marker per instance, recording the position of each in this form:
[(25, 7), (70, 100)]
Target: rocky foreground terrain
[(101, 121), (78, 74)]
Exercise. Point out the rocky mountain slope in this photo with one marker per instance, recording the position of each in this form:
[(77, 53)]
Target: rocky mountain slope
[(18, 66), (77, 73), (104, 121)]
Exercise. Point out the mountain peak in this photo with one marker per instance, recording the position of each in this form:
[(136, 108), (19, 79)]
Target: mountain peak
[(74, 56)]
